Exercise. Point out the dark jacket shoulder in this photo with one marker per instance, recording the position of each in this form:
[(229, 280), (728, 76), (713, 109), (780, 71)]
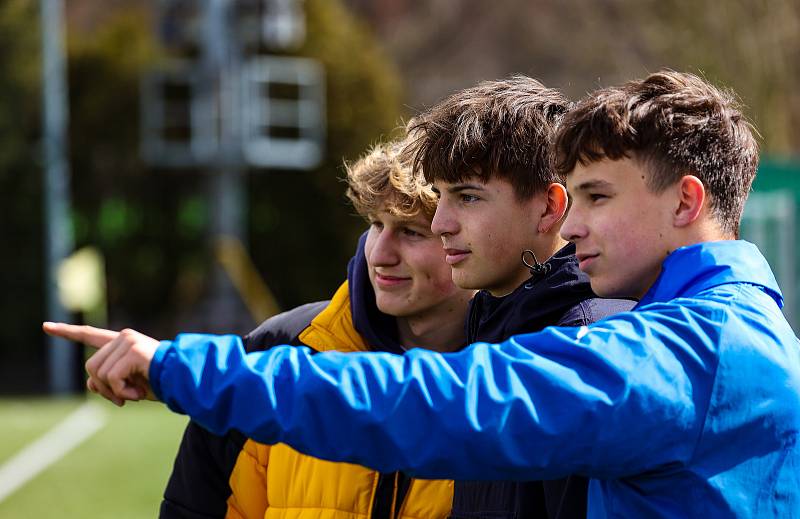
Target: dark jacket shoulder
[(560, 296), (198, 487), (284, 328), (592, 310)]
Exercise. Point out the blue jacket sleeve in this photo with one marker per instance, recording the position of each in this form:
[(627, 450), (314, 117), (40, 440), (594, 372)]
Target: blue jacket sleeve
[(622, 396)]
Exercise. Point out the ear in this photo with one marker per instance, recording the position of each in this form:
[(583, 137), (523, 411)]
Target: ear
[(555, 207), (691, 199)]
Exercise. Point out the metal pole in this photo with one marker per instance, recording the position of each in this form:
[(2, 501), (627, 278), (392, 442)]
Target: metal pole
[(223, 67), (58, 232)]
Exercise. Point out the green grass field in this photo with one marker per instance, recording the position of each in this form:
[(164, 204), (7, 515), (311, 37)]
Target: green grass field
[(119, 472)]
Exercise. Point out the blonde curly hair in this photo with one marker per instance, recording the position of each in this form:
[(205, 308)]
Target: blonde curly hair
[(382, 180)]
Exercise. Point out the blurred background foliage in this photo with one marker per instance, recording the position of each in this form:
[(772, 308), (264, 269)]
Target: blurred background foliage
[(21, 247), (153, 226), (384, 60)]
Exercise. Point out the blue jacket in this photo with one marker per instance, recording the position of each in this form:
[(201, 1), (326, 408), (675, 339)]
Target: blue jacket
[(687, 406), (560, 296)]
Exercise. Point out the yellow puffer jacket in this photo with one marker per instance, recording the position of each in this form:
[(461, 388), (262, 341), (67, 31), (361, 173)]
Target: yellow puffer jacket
[(277, 482)]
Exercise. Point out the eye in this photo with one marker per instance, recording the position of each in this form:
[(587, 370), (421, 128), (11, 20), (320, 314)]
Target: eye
[(467, 198), (412, 233), (377, 224), (596, 197)]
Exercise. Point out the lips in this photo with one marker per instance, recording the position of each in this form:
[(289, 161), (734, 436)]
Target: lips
[(585, 260), (387, 281), (455, 256)]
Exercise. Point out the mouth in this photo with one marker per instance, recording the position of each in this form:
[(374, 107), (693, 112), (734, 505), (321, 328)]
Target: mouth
[(586, 260), (455, 256), (386, 281)]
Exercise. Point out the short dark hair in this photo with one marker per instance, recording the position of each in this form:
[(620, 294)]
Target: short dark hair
[(502, 129), (674, 124)]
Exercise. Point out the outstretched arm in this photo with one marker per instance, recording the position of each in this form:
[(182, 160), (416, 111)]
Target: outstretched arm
[(538, 406)]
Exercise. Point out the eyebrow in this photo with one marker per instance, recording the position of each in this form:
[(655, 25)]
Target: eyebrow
[(592, 184), (463, 187)]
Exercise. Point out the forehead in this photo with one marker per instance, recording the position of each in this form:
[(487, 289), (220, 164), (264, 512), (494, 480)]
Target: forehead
[(384, 215), (472, 182), (605, 173), (442, 184)]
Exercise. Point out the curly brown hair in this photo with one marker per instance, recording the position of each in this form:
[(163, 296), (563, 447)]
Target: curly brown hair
[(501, 129), (674, 124), (382, 180)]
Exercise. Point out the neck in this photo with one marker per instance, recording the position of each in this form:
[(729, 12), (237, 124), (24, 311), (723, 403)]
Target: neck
[(544, 248), (550, 244), (703, 231), (441, 329)]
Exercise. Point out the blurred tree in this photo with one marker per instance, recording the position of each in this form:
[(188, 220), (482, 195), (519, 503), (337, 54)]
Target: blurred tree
[(152, 226), (21, 246), (302, 230), (751, 46), (128, 211)]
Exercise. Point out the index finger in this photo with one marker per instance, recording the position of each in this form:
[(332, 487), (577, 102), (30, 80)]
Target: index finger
[(89, 335)]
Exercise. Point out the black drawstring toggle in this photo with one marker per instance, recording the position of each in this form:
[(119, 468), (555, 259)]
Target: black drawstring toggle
[(537, 269)]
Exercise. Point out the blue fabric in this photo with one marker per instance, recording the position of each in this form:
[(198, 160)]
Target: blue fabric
[(687, 406)]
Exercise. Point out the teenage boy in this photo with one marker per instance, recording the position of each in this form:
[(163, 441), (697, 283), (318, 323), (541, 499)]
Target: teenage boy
[(687, 406), (398, 293), (486, 150)]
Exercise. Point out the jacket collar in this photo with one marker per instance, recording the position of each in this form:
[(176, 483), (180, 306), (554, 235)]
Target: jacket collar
[(694, 268), (378, 329), (536, 303)]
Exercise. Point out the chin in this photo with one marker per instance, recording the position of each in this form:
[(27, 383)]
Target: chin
[(610, 290), (388, 306), (602, 289), (467, 283)]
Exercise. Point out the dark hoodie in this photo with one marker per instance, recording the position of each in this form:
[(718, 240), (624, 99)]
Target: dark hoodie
[(561, 297)]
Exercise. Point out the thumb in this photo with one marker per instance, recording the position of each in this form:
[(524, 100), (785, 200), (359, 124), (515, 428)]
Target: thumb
[(88, 335)]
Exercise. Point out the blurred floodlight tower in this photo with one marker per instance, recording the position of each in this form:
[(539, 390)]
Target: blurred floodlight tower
[(221, 84), (224, 103), (58, 232), (283, 23)]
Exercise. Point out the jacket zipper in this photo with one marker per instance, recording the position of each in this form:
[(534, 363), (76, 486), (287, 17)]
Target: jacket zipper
[(390, 494), (384, 497)]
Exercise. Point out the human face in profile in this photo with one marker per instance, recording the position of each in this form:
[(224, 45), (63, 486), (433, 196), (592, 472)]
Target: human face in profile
[(484, 228), (407, 268), (621, 228)]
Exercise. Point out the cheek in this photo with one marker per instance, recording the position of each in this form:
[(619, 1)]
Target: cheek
[(501, 240), (441, 280), (369, 244), (434, 275)]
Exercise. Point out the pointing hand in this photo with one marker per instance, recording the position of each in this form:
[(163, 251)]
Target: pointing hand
[(119, 369)]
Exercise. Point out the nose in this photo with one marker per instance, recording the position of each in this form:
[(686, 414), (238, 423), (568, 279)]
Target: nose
[(443, 221), (573, 228), (383, 252)]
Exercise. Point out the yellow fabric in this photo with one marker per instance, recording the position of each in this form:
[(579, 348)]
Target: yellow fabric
[(333, 328), (277, 482)]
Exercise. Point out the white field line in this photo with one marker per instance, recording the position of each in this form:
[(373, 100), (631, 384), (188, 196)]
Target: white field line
[(50, 447)]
